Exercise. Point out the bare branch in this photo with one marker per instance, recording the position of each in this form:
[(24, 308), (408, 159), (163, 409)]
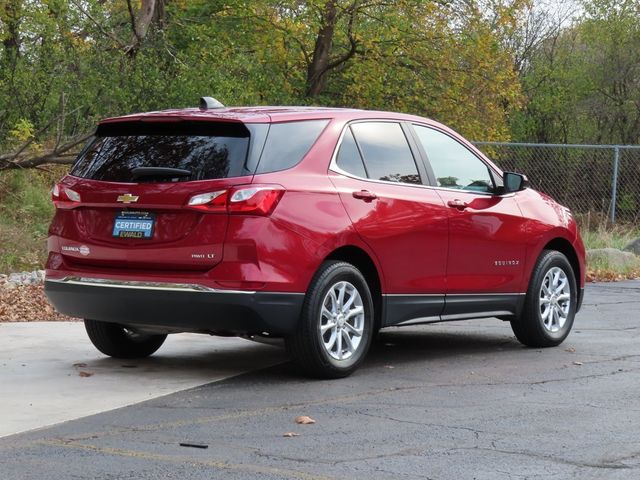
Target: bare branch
[(100, 27), (62, 154), (132, 18), (62, 117)]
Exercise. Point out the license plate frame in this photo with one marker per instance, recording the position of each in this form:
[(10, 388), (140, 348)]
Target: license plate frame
[(133, 225)]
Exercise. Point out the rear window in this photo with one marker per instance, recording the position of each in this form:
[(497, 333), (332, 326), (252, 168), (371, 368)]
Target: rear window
[(288, 143), (349, 158), (205, 151), (188, 151)]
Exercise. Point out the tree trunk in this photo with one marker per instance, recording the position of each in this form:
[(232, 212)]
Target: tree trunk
[(159, 14), (145, 17), (318, 68), (152, 12), (11, 18)]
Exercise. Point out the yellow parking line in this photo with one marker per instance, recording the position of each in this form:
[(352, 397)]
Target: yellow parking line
[(181, 459)]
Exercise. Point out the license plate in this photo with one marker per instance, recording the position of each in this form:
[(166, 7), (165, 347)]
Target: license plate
[(133, 225)]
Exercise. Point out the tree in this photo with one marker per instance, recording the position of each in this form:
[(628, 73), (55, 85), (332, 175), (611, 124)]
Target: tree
[(582, 84), (445, 59)]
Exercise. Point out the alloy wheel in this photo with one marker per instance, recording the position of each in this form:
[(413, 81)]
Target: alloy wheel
[(342, 320), (555, 299)]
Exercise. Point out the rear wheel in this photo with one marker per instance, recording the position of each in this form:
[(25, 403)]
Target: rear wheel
[(336, 325), (120, 342), (550, 304)]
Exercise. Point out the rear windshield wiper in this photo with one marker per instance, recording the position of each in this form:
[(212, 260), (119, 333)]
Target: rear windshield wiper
[(142, 172)]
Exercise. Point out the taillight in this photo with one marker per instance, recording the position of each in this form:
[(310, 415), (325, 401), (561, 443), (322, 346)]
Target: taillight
[(210, 202), (64, 197), (258, 200), (248, 200)]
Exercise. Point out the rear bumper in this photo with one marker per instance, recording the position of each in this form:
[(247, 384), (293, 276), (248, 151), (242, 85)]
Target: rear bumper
[(176, 307)]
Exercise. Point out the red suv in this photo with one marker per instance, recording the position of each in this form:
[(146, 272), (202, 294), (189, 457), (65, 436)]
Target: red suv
[(316, 225)]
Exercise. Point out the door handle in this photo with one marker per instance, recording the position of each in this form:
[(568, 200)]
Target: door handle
[(459, 204), (365, 195)]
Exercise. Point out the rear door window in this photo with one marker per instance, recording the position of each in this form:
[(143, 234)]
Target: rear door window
[(201, 151), (386, 152)]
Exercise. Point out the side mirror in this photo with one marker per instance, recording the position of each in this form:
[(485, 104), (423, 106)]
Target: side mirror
[(514, 182)]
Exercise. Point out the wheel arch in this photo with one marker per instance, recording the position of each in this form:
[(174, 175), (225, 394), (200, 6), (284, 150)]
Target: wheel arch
[(565, 247), (360, 259)]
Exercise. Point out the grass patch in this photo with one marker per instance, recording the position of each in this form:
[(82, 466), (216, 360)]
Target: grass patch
[(25, 214), (609, 236), (597, 232), (602, 270)]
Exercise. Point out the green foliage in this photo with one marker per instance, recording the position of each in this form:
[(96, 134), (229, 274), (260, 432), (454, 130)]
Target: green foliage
[(441, 59), (605, 235), (582, 84), (464, 62), (23, 131), (25, 214)]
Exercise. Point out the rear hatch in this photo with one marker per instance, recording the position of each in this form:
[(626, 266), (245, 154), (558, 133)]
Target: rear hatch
[(126, 203)]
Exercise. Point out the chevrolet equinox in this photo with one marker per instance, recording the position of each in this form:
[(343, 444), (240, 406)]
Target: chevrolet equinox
[(316, 225)]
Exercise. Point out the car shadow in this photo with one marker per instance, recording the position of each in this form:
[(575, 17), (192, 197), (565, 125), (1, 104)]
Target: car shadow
[(394, 346), (401, 345), (201, 362), (429, 345)]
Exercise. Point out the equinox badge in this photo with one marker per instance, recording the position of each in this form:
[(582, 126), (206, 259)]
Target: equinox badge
[(128, 198)]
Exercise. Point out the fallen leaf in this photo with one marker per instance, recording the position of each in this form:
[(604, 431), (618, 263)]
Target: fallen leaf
[(577, 363), (291, 434), (85, 374), (304, 420), (26, 303), (570, 350)]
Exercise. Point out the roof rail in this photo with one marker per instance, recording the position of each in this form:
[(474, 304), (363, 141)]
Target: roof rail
[(207, 103)]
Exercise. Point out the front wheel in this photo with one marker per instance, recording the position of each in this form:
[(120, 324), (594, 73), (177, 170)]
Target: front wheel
[(120, 342), (336, 325), (550, 304)]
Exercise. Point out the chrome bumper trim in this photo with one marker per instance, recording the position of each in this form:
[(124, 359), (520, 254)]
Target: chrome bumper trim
[(167, 287)]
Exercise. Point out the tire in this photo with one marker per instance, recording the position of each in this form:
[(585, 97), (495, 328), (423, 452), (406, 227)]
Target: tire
[(119, 342), (320, 346), (538, 326)]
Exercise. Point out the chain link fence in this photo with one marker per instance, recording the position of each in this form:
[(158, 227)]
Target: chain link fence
[(598, 180)]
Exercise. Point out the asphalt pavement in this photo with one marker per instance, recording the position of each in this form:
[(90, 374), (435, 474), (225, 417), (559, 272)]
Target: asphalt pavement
[(50, 372), (451, 401)]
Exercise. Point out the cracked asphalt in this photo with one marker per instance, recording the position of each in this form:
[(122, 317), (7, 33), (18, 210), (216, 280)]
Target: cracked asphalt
[(450, 401)]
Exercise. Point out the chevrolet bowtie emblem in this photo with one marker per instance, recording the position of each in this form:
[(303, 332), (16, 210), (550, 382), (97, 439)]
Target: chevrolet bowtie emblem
[(128, 198)]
